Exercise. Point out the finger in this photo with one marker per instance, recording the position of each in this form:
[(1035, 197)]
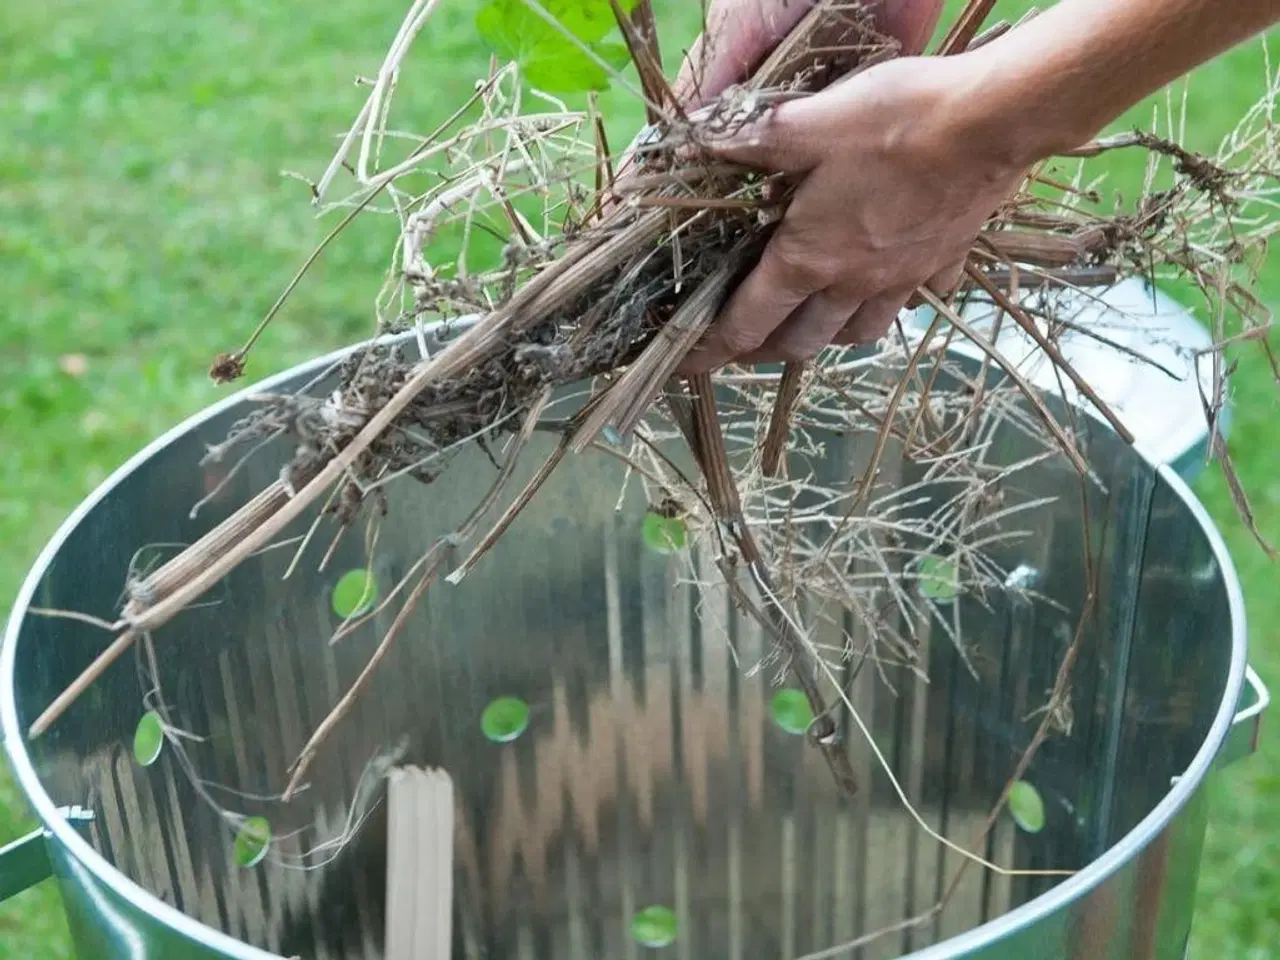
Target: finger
[(911, 22), (736, 38), (780, 282), (788, 138), (692, 87), (812, 326), (943, 284), (873, 319)]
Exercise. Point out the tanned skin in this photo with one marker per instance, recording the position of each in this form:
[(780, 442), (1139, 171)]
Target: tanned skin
[(902, 164)]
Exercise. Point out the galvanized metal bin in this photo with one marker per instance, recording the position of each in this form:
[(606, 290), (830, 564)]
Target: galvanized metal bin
[(650, 772)]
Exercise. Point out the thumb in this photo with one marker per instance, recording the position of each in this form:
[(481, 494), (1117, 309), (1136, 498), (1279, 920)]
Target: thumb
[(737, 35), (781, 139)]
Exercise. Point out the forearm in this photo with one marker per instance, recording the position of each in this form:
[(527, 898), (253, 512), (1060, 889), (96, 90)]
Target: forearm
[(1056, 81)]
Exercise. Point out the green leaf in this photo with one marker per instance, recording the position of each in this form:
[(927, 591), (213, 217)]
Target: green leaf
[(252, 840), (664, 534), (654, 926), (791, 711), (148, 739), (1026, 807), (354, 594), (504, 719), (939, 578), (547, 58)]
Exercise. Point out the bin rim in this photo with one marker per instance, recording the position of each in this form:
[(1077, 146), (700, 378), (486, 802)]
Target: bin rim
[(1076, 887)]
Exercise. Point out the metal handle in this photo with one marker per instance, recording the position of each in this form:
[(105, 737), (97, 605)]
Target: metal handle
[(1242, 740), (25, 861)]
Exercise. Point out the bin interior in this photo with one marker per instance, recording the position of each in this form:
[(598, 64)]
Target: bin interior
[(652, 771)]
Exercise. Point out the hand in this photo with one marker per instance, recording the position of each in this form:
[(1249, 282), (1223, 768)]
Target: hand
[(894, 187), (741, 33)]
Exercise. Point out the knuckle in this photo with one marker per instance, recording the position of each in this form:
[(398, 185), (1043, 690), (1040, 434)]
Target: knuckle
[(800, 352), (740, 340), (877, 277)]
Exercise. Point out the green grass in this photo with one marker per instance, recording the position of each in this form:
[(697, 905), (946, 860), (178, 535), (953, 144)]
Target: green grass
[(144, 227)]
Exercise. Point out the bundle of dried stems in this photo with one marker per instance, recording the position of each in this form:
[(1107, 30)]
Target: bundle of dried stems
[(614, 286)]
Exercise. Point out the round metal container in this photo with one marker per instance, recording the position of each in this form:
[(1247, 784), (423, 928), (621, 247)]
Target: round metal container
[(651, 771)]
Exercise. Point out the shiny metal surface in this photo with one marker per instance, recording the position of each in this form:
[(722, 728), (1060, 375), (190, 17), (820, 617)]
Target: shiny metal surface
[(650, 772), (1247, 726)]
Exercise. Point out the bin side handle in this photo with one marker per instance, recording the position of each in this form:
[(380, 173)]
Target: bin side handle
[(1242, 740), (25, 861)]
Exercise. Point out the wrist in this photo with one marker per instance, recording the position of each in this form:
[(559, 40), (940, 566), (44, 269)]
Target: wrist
[(1014, 106)]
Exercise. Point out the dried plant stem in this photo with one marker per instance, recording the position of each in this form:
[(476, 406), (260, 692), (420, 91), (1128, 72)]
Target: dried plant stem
[(784, 404), (1029, 328), (1032, 395), (514, 510), (343, 706), (77, 615), (723, 493), (67, 697), (966, 27), (631, 395), (255, 526)]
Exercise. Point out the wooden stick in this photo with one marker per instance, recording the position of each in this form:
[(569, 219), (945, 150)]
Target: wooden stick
[(420, 829), (966, 27), (775, 441)]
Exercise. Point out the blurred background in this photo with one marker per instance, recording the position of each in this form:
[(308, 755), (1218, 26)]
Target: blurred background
[(145, 226)]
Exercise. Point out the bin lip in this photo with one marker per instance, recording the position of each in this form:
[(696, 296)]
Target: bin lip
[(986, 935)]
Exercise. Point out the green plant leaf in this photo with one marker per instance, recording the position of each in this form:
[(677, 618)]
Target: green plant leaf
[(939, 578), (354, 594), (654, 926), (504, 719), (1026, 806), (791, 711), (547, 58), (664, 534), (252, 840), (148, 739)]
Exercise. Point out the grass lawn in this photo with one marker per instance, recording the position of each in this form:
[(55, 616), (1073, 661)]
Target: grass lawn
[(144, 227)]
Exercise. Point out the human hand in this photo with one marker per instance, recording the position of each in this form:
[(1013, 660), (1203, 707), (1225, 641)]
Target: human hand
[(739, 34), (896, 179)]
